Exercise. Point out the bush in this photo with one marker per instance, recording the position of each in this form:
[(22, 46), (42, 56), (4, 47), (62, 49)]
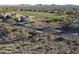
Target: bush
[(60, 39), (10, 21)]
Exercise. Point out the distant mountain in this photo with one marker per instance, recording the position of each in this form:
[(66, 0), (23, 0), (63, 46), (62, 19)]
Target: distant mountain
[(52, 5), (16, 6), (58, 6)]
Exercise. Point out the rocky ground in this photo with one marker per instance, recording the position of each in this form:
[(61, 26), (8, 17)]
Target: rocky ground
[(25, 41), (41, 45), (35, 38)]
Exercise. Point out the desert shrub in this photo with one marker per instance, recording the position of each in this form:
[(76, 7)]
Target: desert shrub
[(10, 21), (59, 39), (13, 17), (22, 35), (4, 31), (54, 24), (6, 27), (71, 25)]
